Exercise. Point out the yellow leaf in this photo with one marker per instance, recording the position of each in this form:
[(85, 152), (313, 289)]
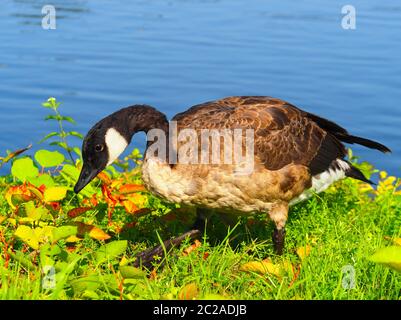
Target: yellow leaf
[(124, 261), (115, 183), (55, 194), (138, 199), (389, 181), (34, 213), (129, 206), (261, 267), (396, 241), (98, 234), (188, 292), (2, 218), (28, 236), (72, 239), (303, 252), (44, 234), (383, 174)]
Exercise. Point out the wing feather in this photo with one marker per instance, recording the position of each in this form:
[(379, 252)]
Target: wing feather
[(284, 134)]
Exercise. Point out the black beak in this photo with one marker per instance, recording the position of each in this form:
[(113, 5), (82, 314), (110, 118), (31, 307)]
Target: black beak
[(86, 176)]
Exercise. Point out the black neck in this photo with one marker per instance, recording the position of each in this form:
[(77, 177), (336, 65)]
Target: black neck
[(139, 118)]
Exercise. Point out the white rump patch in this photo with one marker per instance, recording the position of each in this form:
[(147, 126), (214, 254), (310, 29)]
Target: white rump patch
[(323, 180), (115, 144)]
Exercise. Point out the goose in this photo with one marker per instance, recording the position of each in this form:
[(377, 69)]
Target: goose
[(295, 154)]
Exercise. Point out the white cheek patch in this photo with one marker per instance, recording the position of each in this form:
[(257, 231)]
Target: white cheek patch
[(115, 144)]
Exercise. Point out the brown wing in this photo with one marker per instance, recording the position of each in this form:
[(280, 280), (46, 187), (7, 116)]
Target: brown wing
[(284, 134)]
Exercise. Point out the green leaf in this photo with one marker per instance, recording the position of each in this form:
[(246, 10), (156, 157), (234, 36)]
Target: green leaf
[(55, 194), (53, 117), (28, 236), (136, 153), (51, 103), (47, 251), (47, 104), (64, 232), (77, 151), (111, 250), (129, 272), (43, 179), (50, 249), (89, 294), (49, 158), (91, 283), (75, 134), (60, 144), (21, 258), (69, 119), (389, 256), (62, 276), (71, 171), (48, 136), (23, 169), (34, 213)]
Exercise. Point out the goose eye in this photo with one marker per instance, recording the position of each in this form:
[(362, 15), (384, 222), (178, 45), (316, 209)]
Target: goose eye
[(99, 148)]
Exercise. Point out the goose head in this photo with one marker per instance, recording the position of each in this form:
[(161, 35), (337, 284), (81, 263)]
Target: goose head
[(101, 147), (108, 138)]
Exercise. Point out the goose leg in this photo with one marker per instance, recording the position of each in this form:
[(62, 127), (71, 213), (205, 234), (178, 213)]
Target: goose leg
[(201, 216), (147, 257), (279, 214), (279, 240)]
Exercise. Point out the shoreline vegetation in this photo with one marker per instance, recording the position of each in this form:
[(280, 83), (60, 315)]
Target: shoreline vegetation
[(344, 243)]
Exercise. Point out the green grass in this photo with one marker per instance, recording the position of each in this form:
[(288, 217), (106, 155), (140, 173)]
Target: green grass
[(343, 226)]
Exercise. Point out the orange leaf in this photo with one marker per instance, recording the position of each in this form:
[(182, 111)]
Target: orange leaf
[(129, 206), (98, 234), (78, 211), (93, 200), (191, 248), (109, 198), (54, 205), (188, 292), (153, 274), (131, 188), (94, 232), (104, 178), (17, 194), (42, 188)]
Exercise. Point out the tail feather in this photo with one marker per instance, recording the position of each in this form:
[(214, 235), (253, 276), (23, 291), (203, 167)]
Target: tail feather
[(355, 173), (362, 141), (342, 134)]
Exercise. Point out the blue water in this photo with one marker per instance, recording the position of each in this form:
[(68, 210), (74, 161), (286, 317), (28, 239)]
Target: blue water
[(173, 54)]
